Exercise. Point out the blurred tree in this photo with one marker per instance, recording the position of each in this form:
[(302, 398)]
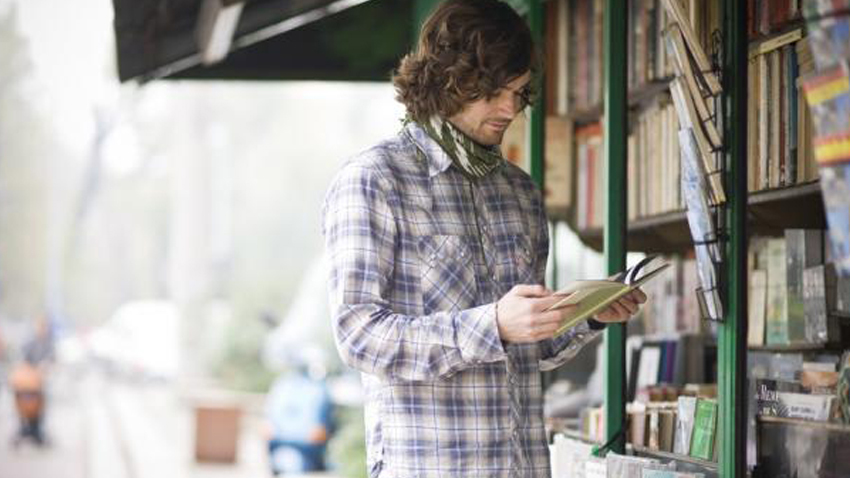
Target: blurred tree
[(26, 146), (347, 448)]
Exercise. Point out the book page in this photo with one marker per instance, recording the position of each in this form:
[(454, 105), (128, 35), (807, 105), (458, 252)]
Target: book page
[(593, 296)]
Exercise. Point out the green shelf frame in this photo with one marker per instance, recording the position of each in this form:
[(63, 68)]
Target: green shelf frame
[(615, 127), (732, 332)]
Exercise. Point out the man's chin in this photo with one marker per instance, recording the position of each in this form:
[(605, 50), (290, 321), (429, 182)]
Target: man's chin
[(491, 139)]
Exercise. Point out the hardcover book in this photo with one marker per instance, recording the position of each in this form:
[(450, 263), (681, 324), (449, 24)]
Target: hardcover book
[(684, 425), (705, 424)]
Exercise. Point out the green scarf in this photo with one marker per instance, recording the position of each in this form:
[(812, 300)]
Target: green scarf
[(474, 160)]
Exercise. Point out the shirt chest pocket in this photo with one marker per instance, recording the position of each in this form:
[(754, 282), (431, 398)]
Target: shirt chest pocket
[(447, 273), (515, 260)]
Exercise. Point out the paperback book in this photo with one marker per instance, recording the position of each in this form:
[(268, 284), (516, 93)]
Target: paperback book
[(592, 296)]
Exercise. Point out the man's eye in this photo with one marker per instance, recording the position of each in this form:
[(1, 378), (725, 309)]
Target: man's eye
[(525, 96)]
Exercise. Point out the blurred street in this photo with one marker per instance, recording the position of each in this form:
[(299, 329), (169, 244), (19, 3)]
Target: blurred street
[(107, 428)]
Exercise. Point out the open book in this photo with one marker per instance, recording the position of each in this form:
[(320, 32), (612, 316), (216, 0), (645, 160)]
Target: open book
[(593, 296)]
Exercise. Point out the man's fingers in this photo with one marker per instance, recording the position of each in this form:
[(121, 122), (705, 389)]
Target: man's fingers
[(637, 296), (530, 290), (630, 306), (615, 311)]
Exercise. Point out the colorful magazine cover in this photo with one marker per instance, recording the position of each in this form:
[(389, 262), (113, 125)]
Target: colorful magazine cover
[(828, 95), (835, 185), (829, 31)]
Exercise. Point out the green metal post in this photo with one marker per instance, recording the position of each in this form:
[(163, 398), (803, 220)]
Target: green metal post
[(537, 116), (732, 333), (615, 133)]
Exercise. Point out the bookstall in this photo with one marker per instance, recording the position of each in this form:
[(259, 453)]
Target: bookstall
[(692, 136)]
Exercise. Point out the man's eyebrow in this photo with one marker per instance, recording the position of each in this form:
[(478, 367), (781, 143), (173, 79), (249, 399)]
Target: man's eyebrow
[(518, 90)]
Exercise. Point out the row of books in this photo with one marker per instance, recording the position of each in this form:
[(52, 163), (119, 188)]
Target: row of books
[(590, 176), (686, 426), (653, 166), (653, 161), (673, 307), (780, 149), (673, 362), (768, 16), (814, 373), (795, 296), (571, 458), (654, 414), (803, 386), (574, 47)]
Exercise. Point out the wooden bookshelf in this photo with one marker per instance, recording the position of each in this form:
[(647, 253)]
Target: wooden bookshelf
[(769, 213), (637, 98), (797, 422), (788, 27), (791, 347)]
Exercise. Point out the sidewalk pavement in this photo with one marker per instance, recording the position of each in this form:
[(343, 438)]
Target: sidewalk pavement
[(102, 428)]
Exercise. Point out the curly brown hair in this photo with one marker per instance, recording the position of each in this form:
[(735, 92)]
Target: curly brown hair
[(467, 50)]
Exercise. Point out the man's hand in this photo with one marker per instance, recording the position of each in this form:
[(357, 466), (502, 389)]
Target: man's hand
[(521, 318), (623, 308)]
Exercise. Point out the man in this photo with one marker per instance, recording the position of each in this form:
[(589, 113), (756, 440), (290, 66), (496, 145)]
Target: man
[(437, 248), (300, 419)]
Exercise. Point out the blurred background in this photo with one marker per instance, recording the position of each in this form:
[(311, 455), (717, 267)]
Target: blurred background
[(162, 296)]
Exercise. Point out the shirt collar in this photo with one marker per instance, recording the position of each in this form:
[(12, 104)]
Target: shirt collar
[(437, 159)]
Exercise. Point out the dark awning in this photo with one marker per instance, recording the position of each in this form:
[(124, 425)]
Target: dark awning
[(346, 40)]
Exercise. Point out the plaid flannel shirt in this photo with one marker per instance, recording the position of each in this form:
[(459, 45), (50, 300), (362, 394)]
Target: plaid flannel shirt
[(419, 256)]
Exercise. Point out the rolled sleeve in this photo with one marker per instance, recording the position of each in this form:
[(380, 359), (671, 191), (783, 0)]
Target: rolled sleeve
[(559, 350)]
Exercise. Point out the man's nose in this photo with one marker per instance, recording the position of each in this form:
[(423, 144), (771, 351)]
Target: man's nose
[(508, 103)]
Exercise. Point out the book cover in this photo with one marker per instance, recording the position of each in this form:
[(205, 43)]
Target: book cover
[(829, 36), (828, 95), (803, 248), (777, 294), (815, 304), (593, 296), (766, 397), (685, 415), (595, 467), (638, 425), (569, 456), (757, 307), (666, 429), (805, 406), (654, 430), (678, 15), (705, 424), (650, 360), (835, 185), (558, 163), (842, 296)]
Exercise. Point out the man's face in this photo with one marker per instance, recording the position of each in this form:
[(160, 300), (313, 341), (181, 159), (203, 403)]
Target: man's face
[(485, 120)]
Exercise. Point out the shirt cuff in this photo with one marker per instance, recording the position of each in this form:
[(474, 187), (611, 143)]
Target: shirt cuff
[(594, 324), (477, 335)]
